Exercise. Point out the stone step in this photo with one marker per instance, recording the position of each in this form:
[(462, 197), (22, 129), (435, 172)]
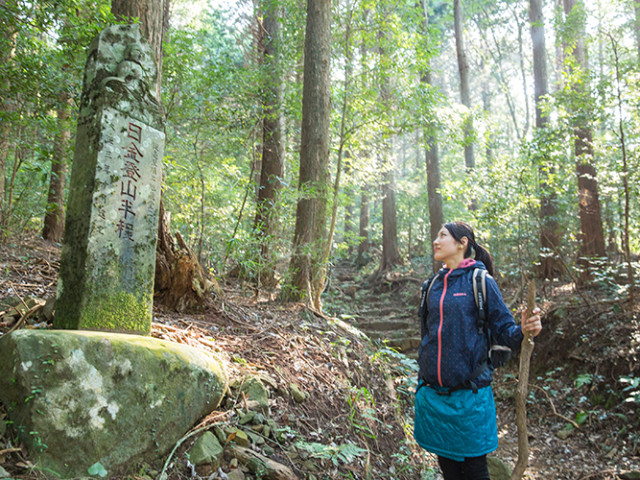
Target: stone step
[(381, 311), (386, 325), (393, 334), (407, 345)]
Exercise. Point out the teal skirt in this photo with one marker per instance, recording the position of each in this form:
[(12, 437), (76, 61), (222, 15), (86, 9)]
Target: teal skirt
[(456, 426)]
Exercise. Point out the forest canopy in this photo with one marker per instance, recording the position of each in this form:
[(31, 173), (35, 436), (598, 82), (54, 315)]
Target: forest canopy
[(519, 117)]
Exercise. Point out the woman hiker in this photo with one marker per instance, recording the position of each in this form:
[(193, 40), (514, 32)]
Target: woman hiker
[(455, 414)]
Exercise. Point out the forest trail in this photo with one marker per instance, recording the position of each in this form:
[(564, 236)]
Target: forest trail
[(384, 310)]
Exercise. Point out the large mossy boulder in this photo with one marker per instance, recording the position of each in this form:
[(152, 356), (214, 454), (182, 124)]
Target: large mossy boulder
[(78, 398)]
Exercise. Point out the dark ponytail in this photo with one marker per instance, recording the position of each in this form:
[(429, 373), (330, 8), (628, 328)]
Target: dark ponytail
[(459, 230)]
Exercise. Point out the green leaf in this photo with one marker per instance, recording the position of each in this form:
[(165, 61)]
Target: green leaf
[(581, 417), (97, 469)]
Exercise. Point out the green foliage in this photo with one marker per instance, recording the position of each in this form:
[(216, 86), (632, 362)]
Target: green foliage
[(632, 388), (97, 469), (346, 453)]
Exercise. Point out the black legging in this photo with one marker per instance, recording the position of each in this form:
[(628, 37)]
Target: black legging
[(472, 468)]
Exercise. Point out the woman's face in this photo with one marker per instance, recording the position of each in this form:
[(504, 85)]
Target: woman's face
[(445, 246)]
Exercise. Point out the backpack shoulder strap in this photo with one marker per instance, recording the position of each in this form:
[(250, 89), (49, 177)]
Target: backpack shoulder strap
[(480, 295), (424, 304)]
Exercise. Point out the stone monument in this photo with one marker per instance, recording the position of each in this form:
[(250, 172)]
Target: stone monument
[(107, 263)]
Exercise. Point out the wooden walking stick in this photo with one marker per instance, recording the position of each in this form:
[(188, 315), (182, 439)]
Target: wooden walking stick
[(523, 391)]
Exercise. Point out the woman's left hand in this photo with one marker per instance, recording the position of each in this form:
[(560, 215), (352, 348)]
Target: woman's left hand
[(531, 324)]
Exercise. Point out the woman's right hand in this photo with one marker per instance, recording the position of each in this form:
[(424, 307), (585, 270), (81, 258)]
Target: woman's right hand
[(532, 324)]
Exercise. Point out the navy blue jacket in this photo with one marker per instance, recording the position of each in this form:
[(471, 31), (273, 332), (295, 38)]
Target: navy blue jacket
[(453, 347)]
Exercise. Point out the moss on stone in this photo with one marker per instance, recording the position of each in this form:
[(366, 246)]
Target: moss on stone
[(116, 312)]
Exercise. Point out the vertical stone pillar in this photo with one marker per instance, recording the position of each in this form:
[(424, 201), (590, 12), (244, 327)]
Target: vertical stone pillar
[(107, 264)]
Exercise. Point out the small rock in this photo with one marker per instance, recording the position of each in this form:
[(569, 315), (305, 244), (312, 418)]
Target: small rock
[(233, 463), (565, 433), (255, 391), (498, 470), (206, 450), (4, 473), (220, 435), (236, 474), (237, 436), (632, 475), (298, 395), (247, 417), (257, 439), (49, 309), (268, 451)]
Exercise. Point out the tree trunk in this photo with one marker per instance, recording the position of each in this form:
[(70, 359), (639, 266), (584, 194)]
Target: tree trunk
[(390, 252), (523, 72), (54, 217), (549, 231), (7, 42), (637, 27), (436, 215), (465, 95), (272, 166), (349, 208), (154, 24), (592, 234), (625, 181), (314, 154), (363, 246)]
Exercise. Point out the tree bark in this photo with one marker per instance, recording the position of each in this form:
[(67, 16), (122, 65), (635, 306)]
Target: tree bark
[(465, 95), (637, 27), (390, 252), (272, 166), (7, 42), (625, 180), (314, 154), (550, 229), (363, 246), (523, 72), (432, 159), (592, 234), (324, 260), (349, 209), (54, 217), (154, 24)]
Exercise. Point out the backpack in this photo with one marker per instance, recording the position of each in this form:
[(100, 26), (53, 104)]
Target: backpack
[(497, 355)]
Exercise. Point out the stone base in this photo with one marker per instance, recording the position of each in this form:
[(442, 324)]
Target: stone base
[(79, 398)]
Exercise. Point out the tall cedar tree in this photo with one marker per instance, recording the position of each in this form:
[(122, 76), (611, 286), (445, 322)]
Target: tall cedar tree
[(7, 42), (272, 165), (592, 235), (390, 253), (465, 94), (549, 231), (54, 217), (314, 154), (434, 197)]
